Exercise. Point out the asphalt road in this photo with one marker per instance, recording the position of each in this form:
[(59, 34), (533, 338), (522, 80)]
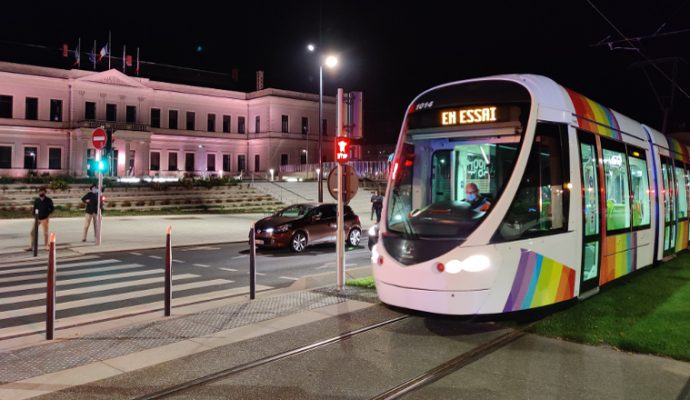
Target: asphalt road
[(113, 284)]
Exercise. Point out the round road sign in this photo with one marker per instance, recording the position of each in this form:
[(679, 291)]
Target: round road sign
[(99, 138), (351, 183)]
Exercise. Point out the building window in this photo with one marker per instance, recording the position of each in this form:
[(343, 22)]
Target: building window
[(155, 118), (54, 158), (639, 183), (226, 123), (241, 163), (257, 124), (541, 203), (111, 112), (191, 123), (5, 157), (284, 160), (257, 162), (55, 110), (210, 162), (172, 119), (172, 161), (240, 125), (284, 124), (30, 157), (305, 125), (90, 110), (31, 111), (324, 127), (155, 163), (131, 116), (211, 123), (5, 106), (189, 162), (226, 162), (303, 157)]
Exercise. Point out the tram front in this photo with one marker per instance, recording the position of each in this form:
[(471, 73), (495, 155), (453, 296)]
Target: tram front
[(460, 191)]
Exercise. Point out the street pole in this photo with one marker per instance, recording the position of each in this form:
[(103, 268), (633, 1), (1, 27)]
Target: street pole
[(98, 202), (50, 296), (320, 178), (340, 239)]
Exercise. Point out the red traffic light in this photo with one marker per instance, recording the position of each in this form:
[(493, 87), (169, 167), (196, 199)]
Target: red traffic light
[(342, 150)]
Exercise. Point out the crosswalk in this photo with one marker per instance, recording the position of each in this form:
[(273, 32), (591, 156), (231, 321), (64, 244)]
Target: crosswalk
[(102, 288)]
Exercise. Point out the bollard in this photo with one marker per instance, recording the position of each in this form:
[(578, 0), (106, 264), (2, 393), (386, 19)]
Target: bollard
[(168, 272), (252, 263), (50, 300), (34, 239)]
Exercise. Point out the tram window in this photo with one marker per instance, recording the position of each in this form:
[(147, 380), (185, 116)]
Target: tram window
[(617, 190), (639, 183), (541, 203), (682, 192)]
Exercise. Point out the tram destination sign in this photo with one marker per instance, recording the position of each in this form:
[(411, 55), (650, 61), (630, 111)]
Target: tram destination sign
[(460, 116)]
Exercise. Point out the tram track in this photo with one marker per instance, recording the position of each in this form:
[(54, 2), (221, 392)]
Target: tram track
[(213, 377)]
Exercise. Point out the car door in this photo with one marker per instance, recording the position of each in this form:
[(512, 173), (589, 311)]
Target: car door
[(319, 225)]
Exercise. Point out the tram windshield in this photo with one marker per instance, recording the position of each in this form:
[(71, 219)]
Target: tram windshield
[(466, 177)]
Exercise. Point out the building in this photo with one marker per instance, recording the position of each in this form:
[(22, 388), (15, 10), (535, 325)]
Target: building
[(47, 117)]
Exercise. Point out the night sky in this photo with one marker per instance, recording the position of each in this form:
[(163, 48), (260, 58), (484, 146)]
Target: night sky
[(389, 50)]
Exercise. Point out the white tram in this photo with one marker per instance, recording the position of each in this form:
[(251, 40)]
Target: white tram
[(571, 196)]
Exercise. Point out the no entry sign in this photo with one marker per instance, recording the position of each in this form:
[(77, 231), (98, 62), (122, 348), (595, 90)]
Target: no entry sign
[(99, 138)]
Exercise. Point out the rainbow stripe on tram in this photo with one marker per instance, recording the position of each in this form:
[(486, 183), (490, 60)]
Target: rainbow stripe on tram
[(679, 151), (539, 281), (594, 117), (621, 257)]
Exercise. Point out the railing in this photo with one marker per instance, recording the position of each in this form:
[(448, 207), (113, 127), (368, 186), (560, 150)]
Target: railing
[(375, 170), (123, 126)]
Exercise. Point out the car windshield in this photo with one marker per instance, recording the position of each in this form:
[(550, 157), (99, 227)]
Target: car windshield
[(465, 177), (295, 211)]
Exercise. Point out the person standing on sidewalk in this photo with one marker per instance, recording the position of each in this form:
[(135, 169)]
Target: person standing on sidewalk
[(43, 207), (91, 211), (377, 204)]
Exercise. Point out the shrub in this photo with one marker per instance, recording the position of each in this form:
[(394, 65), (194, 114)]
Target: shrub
[(58, 184), (152, 202), (165, 202), (126, 203), (68, 206), (140, 203)]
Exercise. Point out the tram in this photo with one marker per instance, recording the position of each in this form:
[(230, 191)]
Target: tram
[(511, 192)]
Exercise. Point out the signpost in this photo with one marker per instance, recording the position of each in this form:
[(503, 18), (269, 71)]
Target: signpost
[(351, 184), (99, 139)]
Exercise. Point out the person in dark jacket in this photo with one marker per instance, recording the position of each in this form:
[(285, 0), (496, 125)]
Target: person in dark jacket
[(43, 207), (91, 211)]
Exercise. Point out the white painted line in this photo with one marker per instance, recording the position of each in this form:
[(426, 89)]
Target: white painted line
[(201, 248), (61, 275), (59, 266), (23, 312), (260, 273), (289, 278), (134, 253), (229, 269), (81, 280), (202, 265), (178, 261), (156, 257), (236, 257), (91, 289)]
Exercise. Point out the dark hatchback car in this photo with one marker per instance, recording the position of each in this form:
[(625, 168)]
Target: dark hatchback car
[(301, 225)]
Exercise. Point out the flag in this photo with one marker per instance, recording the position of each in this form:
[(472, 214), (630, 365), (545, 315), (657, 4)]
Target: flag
[(129, 60), (104, 52), (77, 55), (65, 50), (92, 55)]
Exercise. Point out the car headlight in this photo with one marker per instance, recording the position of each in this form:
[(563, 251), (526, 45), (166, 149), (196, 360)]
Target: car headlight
[(281, 228)]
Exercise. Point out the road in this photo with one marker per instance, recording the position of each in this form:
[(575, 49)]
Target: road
[(114, 284)]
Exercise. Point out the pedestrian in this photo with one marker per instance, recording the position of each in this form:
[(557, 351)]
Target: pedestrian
[(377, 204), (91, 211), (43, 207)]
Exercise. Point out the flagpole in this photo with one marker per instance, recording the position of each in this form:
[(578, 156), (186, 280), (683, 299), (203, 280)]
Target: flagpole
[(109, 49), (137, 61), (79, 54), (124, 56), (93, 60)]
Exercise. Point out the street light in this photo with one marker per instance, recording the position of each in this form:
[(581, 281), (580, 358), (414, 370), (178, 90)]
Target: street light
[(331, 61)]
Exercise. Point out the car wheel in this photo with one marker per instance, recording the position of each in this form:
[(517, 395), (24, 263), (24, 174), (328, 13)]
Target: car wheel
[(298, 242), (354, 237)]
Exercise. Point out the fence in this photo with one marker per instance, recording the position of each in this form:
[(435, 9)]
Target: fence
[(374, 170)]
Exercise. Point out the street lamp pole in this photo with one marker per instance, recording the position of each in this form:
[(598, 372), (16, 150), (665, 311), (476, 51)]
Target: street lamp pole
[(320, 170)]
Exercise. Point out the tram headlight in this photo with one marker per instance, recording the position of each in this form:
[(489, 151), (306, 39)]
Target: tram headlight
[(474, 263)]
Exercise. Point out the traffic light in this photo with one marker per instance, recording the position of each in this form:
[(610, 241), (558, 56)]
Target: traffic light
[(95, 166), (342, 150)]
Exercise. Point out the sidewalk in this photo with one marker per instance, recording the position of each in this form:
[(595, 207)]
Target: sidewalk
[(126, 233)]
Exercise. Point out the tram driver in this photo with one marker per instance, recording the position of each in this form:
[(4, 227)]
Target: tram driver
[(478, 202)]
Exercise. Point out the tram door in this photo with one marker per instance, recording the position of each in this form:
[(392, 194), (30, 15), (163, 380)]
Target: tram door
[(441, 177), (669, 206), (589, 274)]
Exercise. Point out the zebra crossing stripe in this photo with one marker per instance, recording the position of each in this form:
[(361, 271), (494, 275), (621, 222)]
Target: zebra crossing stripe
[(59, 266), (81, 280), (62, 274)]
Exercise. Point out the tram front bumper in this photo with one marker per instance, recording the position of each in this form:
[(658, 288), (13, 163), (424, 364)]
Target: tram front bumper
[(467, 302)]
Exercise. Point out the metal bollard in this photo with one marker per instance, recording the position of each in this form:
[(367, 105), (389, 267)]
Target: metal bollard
[(252, 263), (34, 239), (50, 298), (168, 272)]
